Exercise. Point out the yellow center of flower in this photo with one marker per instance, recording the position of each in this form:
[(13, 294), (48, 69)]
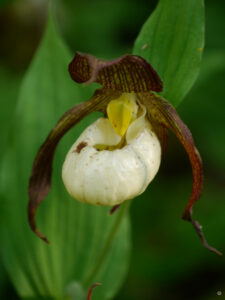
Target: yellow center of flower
[(121, 112)]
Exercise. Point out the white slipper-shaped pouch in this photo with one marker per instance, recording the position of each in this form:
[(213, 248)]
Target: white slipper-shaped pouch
[(109, 177)]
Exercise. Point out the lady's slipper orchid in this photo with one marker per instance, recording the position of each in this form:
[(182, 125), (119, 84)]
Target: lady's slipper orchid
[(117, 156)]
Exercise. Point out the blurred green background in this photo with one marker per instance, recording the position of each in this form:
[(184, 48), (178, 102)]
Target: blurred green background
[(167, 259)]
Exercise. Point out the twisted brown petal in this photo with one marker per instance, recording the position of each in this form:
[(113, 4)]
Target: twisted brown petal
[(164, 113), (40, 180), (128, 73), (91, 290)]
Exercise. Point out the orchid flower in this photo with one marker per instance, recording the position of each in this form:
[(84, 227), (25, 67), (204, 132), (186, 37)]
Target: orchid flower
[(117, 156)]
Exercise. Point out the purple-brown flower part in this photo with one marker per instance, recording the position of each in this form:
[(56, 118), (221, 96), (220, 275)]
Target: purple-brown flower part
[(40, 179), (167, 116), (162, 111), (91, 290), (127, 74)]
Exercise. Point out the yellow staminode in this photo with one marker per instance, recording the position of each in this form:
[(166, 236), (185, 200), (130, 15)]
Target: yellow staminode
[(121, 112)]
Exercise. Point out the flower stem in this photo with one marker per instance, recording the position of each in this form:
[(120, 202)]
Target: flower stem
[(121, 213)]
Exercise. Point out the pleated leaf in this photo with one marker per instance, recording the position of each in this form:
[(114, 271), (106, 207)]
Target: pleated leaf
[(87, 244), (172, 40)]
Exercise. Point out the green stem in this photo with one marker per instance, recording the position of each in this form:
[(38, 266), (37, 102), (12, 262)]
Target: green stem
[(109, 241)]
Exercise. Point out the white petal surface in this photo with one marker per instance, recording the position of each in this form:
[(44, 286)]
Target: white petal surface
[(111, 177)]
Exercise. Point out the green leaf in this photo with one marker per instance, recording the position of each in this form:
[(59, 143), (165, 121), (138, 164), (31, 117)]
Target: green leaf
[(9, 87), (87, 245), (172, 41)]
